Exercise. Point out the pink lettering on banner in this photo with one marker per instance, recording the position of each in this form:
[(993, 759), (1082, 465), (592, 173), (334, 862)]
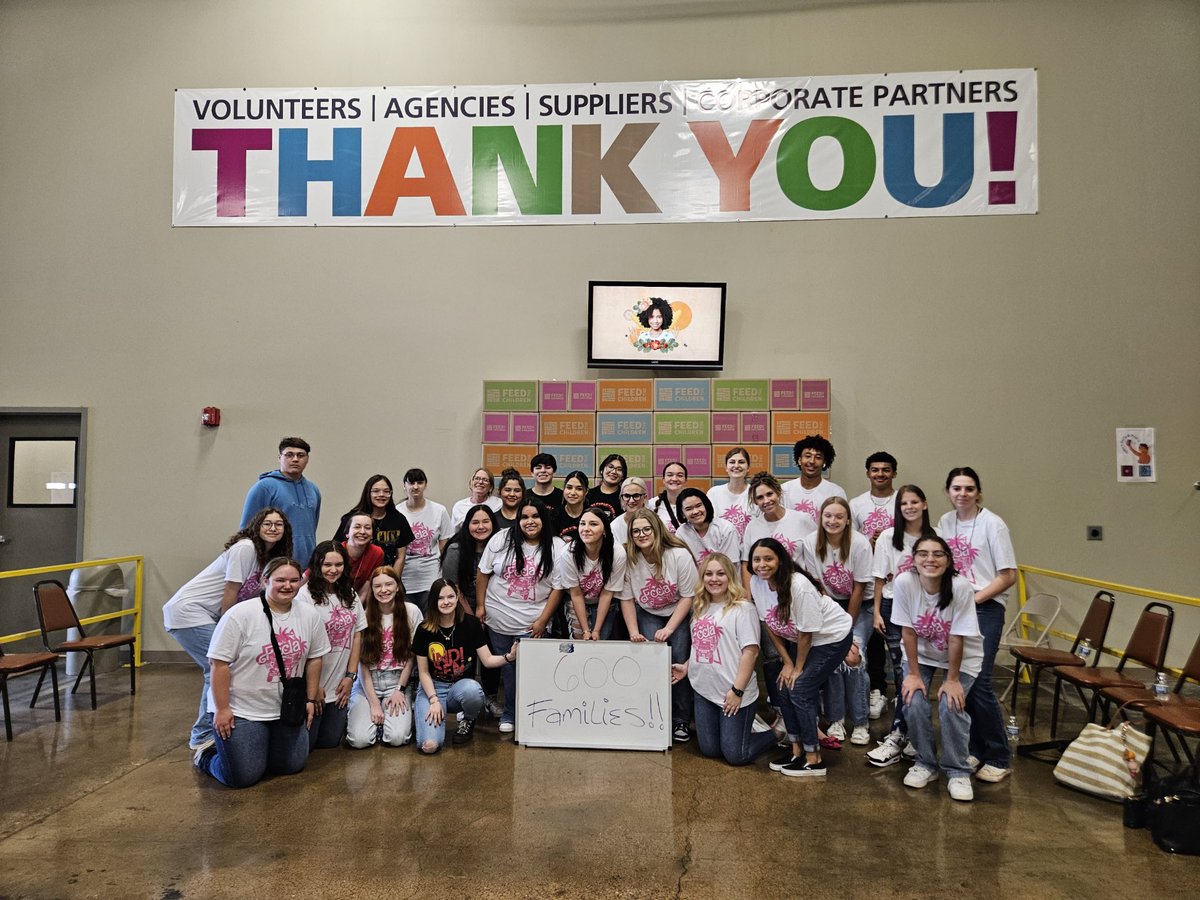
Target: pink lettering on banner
[(706, 636), (232, 146), (658, 594), (877, 521), (964, 557), (738, 518), (292, 648), (340, 626), (422, 540), (784, 628), (592, 584), (521, 585), (838, 579), (933, 628), (808, 508)]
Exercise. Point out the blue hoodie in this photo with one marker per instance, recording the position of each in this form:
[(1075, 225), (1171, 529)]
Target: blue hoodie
[(300, 502)]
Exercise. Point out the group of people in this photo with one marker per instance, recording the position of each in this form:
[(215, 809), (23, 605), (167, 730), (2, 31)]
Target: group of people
[(413, 613)]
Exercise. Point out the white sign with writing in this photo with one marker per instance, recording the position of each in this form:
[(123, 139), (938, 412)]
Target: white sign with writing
[(600, 694)]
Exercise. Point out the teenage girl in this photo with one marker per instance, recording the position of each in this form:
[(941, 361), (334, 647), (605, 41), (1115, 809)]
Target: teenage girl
[(613, 470), (731, 501), (702, 533), (591, 570), (674, 477), (566, 517), (983, 554), (512, 491)]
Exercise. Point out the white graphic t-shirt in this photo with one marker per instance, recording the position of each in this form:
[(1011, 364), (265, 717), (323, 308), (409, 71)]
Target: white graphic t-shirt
[(591, 578), (982, 547), (430, 524), (889, 562), (810, 612), (789, 531), (721, 537), (838, 575), (199, 601), (243, 639), (659, 592), (915, 609), (870, 515), (736, 509), (718, 638), (808, 500), (514, 600), (341, 624)]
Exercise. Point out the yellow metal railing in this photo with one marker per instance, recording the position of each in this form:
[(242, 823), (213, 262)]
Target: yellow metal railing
[(136, 611), (1115, 588)]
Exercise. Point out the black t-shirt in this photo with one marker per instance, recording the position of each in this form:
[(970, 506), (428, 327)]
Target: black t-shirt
[(451, 652), (552, 500), (595, 495), (389, 533), (565, 525)]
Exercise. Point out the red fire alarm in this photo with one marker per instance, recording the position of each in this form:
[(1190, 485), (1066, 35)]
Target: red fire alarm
[(210, 416)]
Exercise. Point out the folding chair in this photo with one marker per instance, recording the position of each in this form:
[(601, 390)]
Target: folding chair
[(1043, 609), (19, 663), (1094, 628), (55, 613)]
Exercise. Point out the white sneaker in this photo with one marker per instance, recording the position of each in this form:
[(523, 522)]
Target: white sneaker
[(506, 728), (198, 753), (878, 703), (973, 763), (960, 788), (992, 773), (919, 776), (889, 750), (910, 750), (860, 736), (836, 730)]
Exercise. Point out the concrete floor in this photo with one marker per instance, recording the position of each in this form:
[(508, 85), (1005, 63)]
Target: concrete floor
[(106, 804)]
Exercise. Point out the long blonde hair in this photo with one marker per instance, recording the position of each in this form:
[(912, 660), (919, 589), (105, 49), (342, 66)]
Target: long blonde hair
[(663, 540), (843, 546), (735, 595)]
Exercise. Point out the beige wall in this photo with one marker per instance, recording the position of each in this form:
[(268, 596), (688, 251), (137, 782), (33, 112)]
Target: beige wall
[(1013, 344)]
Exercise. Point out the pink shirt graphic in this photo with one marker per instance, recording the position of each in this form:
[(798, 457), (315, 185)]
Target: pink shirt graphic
[(934, 629), (422, 540), (786, 629), (340, 627), (658, 594), (706, 635), (877, 521), (809, 508), (789, 546), (293, 648), (738, 518), (964, 557), (521, 585), (838, 579), (387, 655), (592, 584)]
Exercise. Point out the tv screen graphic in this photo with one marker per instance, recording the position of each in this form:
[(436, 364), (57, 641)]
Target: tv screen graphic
[(656, 324)]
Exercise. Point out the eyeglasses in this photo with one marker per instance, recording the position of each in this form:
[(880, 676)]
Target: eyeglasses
[(382, 492), (482, 479), (295, 454), (641, 532), (632, 496), (614, 467), (931, 554), (273, 526)]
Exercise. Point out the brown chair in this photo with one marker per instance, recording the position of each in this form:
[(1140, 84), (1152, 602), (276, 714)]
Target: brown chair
[(19, 663), (1147, 645), (1178, 719), (55, 613), (1138, 697), (1093, 628)]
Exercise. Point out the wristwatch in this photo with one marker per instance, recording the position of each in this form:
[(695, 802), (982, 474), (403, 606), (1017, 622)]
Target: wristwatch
[(353, 676), (736, 692)]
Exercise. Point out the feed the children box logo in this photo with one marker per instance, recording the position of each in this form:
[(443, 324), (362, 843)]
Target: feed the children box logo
[(856, 146)]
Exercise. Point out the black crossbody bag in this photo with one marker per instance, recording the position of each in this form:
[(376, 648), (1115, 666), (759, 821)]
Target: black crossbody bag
[(293, 710)]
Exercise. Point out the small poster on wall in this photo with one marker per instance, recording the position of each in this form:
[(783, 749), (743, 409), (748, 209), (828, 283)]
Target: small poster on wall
[(1137, 459)]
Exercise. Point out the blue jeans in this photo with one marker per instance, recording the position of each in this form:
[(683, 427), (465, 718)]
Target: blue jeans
[(895, 647), (988, 738), (501, 644), (778, 696), (464, 695), (329, 728), (606, 628), (255, 749), (361, 731), (851, 685), (729, 736), (819, 664), (955, 725), (195, 641), (681, 649)]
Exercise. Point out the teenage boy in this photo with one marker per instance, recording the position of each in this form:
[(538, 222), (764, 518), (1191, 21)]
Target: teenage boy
[(288, 490), (872, 511), (542, 467), (814, 455)]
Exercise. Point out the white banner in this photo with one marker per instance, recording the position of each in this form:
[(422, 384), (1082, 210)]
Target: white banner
[(832, 147)]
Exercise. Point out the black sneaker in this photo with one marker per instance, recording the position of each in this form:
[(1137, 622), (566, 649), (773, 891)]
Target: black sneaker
[(681, 733), (778, 764), (800, 768), (466, 731)]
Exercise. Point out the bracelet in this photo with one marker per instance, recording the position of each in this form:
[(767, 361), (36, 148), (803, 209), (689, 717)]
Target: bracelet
[(313, 702), (736, 692), (435, 699)]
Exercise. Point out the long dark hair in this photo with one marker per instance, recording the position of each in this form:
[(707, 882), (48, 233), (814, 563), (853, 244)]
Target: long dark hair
[(515, 544), (432, 621), (668, 314), (372, 636), (468, 554), (263, 553), (898, 526), (661, 500), (688, 493), (321, 590), (579, 553), (365, 505), (783, 574), (946, 588)]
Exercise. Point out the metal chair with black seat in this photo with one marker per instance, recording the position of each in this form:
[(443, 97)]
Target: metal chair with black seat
[(55, 613), (1093, 629), (18, 664)]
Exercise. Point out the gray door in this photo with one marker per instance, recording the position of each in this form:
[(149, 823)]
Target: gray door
[(41, 509)]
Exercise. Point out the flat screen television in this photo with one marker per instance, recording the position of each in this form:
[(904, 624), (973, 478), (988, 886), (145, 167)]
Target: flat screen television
[(656, 325)]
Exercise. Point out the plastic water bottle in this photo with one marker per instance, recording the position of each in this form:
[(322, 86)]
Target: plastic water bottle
[(1160, 687), (1014, 731), (1084, 650)]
